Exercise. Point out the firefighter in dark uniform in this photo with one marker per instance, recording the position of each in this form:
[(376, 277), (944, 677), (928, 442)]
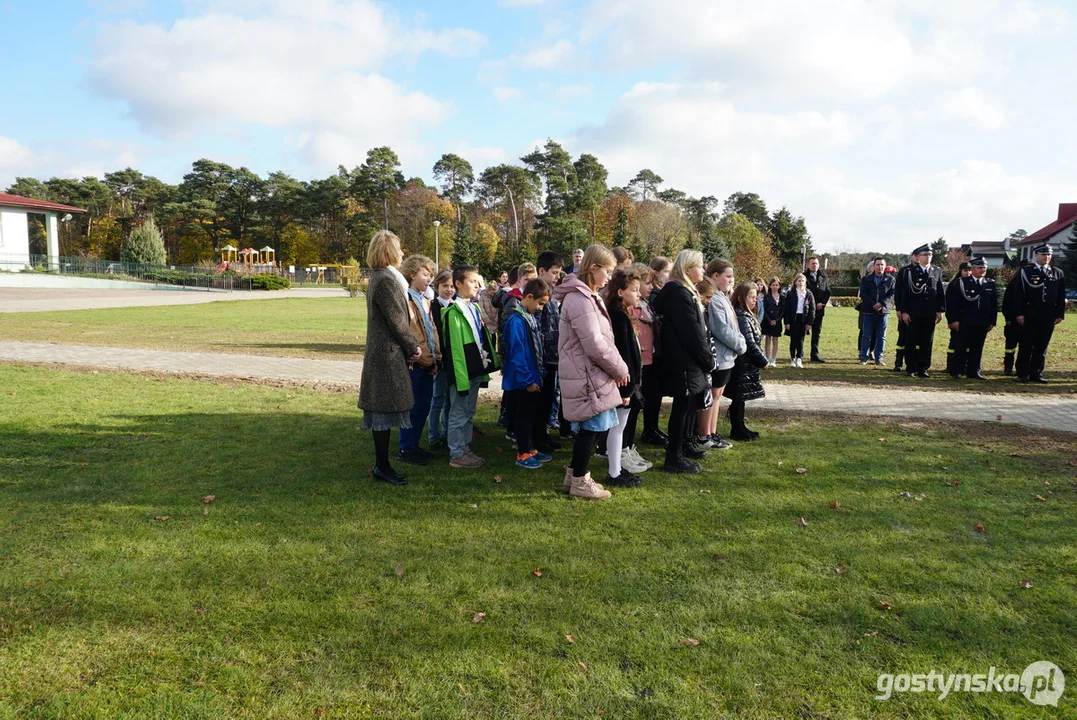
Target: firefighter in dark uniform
[(902, 328), (1040, 304), (920, 300), (971, 312), (1011, 332), (963, 271)]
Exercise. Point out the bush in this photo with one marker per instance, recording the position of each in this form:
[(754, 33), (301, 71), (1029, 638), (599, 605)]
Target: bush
[(146, 245), (844, 291), (269, 282), (844, 300), (356, 287)]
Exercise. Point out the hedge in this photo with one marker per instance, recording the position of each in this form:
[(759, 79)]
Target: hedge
[(269, 282)]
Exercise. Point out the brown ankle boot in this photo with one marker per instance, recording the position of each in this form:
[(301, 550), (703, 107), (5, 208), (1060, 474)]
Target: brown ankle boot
[(587, 489)]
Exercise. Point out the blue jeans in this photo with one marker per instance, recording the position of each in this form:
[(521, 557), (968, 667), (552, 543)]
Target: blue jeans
[(461, 417), (874, 325), (422, 387), (439, 409)]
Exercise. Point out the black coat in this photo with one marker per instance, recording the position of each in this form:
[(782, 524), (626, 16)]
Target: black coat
[(971, 303), (820, 288), (790, 311), (773, 309), (744, 382), (1040, 294), (687, 361), (624, 337), (920, 292)]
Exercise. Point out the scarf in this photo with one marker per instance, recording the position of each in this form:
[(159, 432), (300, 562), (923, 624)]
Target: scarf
[(400, 279), (418, 298), (475, 321)]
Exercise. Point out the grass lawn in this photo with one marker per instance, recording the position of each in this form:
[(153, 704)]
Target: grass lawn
[(335, 328), (307, 590)]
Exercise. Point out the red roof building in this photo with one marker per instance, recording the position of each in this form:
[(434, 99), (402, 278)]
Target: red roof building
[(1057, 234), (32, 205), (16, 249)]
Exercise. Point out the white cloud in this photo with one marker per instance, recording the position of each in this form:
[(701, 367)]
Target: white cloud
[(505, 94), (573, 91), (310, 67), (969, 104), (15, 159), (481, 157), (546, 56)]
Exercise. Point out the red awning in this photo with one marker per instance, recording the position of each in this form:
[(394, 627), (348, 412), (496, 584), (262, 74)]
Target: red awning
[(26, 203)]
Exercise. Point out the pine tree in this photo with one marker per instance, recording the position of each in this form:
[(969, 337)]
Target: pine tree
[(1067, 262), (146, 245), (465, 250), (621, 234)]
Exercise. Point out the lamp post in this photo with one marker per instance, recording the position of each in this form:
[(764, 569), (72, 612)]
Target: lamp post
[(437, 245)]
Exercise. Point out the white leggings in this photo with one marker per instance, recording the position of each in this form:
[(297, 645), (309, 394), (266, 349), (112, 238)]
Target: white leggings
[(615, 440)]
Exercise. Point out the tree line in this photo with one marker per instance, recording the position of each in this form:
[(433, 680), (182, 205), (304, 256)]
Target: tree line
[(494, 218)]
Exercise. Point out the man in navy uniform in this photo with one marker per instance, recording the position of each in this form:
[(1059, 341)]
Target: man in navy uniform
[(972, 312), (963, 271), (1011, 331), (1040, 304), (920, 299)]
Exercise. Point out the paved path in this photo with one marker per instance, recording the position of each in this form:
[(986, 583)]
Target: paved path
[(17, 300), (1059, 413)]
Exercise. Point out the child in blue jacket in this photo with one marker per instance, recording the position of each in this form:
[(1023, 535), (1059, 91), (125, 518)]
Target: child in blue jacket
[(522, 374)]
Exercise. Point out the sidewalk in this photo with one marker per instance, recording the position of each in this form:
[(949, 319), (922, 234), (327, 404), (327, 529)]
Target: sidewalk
[(1056, 413), (15, 300)]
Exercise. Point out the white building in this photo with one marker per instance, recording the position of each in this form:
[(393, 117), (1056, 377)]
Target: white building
[(15, 250), (1057, 234)]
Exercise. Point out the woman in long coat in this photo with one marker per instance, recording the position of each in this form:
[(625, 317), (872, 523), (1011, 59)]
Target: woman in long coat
[(385, 391)]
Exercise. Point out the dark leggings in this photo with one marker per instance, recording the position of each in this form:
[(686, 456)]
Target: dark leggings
[(678, 425), (381, 449), (652, 398), (736, 419), (582, 447), (630, 428)]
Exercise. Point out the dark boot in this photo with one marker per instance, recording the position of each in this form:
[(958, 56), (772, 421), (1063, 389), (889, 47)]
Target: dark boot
[(1007, 363)]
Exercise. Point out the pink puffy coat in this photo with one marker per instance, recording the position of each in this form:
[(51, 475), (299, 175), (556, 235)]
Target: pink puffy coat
[(588, 362)]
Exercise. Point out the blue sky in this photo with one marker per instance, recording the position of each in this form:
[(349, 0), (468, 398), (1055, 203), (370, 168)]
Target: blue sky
[(886, 123)]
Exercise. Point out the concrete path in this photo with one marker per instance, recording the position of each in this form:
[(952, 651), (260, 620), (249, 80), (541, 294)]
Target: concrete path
[(17, 300), (1044, 411)]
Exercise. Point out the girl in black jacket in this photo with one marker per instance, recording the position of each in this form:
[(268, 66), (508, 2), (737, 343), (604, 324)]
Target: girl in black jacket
[(773, 319), (687, 360), (744, 384), (621, 293), (799, 316)]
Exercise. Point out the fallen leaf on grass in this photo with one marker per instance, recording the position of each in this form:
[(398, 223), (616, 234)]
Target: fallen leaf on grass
[(841, 569), (1047, 483), (536, 572), (1041, 498), (885, 605), (583, 665), (207, 499), (571, 638), (873, 633), (161, 518), (801, 471), (718, 558), (473, 505), (883, 440), (802, 522), (1026, 584), (953, 483), (498, 479), (479, 617), (980, 527), (205, 511), (834, 505), (12, 394), (399, 571), (689, 642), (704, 492)]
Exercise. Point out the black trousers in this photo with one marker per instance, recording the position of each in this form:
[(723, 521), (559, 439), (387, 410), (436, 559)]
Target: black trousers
[(525, 406), (540, 431), (1032, 352), (968, 355), (955, 365), (921, 336), (819, 315), (900, 356), (652, 397), (678, 426), (1011, 332), (796, 338)]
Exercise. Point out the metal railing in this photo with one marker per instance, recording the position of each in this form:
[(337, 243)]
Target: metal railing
[(171, 275)]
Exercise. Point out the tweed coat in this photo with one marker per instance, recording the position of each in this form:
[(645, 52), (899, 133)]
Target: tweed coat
[(385, 386)]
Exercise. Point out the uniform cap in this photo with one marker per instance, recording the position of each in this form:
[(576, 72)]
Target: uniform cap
[(922, 249), (978, 262), (1043, 250)]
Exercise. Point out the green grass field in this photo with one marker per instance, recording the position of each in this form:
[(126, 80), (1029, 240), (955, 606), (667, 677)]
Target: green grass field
[(304, 589), (335, 328)]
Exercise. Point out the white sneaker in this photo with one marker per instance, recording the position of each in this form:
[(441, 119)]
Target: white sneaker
[(642, 462), (793, 363), (800, 363), (630, 462)]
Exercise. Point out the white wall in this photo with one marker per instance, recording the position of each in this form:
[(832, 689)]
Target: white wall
[(1059, 243), (14, 238)]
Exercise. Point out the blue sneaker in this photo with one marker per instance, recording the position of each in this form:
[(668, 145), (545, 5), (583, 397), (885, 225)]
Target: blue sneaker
[(529, 462), (542, 457)]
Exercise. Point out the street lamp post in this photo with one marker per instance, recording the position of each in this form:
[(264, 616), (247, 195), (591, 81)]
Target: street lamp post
[(437, 245)]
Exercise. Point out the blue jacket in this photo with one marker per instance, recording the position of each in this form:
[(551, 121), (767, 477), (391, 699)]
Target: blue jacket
[(870, 294), (522, 346)]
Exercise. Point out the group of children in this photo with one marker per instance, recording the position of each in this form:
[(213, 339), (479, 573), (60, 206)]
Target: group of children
[(588, 339)]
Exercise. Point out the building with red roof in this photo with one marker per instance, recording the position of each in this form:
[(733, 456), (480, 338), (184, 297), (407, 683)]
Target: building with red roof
[(1057, 234), (15, 245)]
